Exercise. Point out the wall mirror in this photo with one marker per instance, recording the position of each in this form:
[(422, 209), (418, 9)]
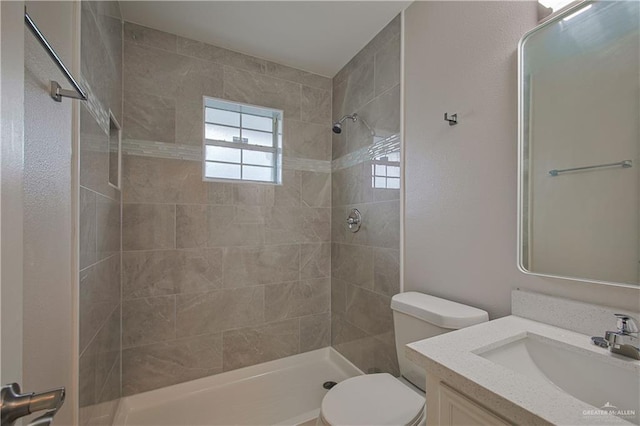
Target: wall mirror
[(579, 136)]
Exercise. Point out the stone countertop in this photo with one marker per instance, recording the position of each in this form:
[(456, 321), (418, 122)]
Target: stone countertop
[(452, 356)]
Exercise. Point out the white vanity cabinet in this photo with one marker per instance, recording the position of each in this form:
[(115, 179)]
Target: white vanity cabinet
[(448, 407)]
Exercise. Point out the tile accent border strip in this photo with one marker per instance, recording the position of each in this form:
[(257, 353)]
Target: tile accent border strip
[(194, 153), (379, 148)]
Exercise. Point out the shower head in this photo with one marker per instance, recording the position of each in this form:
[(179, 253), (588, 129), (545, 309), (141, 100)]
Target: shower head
[(337, 126)]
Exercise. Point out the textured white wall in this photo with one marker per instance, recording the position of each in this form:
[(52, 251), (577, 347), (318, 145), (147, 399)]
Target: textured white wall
[(49, 333), (460, 182)]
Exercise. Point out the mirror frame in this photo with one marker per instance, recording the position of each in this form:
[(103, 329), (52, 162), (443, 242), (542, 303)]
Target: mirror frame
[(521, 151)]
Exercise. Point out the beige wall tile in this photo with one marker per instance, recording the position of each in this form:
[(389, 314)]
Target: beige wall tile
[(99, 296), (160, 180), (253, 345), (87, 228), (386, 271), (351, 185), (385, 357), (306, 140), (256, 89), (220, 310), (244, 62), (315, 260), (200, 50), (284, 225), (316, 224), (246, 266), (388, 32), (369, 311), (111, 389), (297, 299), (192, 228), (383, 116), (338, 296), (202, 225), (253, 194), (359, 90), (148, 320), (189, 126), (200, 78), (98, 360), (149, 117), (387, 66), (149, 37), (292, 74), (229, 226), (315, 332), (316, 105), (288, 194), (220, 55), (162, 364), (107, 227), (158, 273), (350, 341), (153, 71), (148, 226), (316, 189), (86, 380), (219, 193), (353, 264), (384, 218)]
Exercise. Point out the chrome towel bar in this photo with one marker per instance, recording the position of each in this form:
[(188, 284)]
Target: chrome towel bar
[(57, 93), (624, 164)]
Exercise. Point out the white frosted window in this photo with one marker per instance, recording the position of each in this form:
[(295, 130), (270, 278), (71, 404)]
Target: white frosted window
[(242, 142), (227, 155), (222, 170), (263, 174), (257, 158), (257, 123), (220, 116), (222, 133)]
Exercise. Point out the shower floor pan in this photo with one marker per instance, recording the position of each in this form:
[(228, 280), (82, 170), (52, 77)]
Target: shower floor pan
[(287, 391)]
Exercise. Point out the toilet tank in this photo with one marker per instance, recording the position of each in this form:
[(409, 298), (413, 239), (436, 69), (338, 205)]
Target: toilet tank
[(418, 316)]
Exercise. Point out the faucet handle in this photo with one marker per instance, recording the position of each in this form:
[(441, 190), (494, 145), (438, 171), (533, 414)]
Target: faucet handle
[(626, 324)]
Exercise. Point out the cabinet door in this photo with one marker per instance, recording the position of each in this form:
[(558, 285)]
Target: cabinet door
[(458, 410)]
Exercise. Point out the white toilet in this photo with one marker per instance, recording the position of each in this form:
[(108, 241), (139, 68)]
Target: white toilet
[(381, 399)]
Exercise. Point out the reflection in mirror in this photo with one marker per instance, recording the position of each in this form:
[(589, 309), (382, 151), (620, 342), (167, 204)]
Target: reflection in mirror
[(579, 142)]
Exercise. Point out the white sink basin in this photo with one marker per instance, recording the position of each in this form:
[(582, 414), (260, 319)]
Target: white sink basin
[(610, 383)]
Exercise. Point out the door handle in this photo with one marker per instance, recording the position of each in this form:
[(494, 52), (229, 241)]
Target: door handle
[(14, 405)]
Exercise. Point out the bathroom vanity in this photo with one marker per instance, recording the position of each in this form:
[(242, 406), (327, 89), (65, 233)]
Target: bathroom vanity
[(516, 370)]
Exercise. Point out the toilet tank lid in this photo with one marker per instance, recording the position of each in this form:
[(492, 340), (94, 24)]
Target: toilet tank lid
[(439, 312)]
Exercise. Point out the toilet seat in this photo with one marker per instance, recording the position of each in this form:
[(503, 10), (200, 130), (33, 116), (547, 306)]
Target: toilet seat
[(373, 399)]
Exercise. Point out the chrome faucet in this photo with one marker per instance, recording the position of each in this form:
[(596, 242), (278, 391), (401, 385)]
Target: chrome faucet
[(624, 341), (14, 405)]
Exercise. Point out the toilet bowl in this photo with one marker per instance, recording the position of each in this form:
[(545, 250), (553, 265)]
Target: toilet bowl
[(382, 399), (373, 399)]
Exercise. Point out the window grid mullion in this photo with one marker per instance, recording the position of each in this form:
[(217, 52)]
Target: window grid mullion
[(225, 144)]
